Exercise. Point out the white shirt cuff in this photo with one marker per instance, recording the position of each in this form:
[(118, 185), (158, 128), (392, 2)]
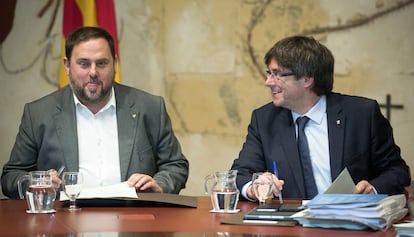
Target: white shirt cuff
[(244, 191)]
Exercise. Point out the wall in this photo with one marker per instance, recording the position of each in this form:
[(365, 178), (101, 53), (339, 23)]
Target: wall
[(206, 59)]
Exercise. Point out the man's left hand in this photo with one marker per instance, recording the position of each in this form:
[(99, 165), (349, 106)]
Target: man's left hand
[(364, 187)]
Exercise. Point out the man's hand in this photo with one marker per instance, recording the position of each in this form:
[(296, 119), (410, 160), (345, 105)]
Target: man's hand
[(364, 187), (277, 188), (277, 185), (143, 182), (55, 179)]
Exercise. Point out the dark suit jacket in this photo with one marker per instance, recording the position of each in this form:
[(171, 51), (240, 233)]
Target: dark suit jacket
[(47, 139), (360, 138)]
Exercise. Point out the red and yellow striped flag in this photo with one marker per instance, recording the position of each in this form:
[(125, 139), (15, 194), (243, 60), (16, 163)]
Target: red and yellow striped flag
[(77, 13)]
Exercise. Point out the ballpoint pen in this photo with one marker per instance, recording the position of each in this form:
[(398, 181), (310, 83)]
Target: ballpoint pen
[(276, 173)]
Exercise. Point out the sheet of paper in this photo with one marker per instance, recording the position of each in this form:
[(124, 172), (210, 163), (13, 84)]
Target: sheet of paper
[(409, 225), (343, 184), (121, 190)]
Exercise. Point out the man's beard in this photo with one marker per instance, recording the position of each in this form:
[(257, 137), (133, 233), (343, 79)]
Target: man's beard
[(86, 96)]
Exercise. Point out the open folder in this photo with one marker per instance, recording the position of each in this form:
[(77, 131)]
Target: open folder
[(123, 195)]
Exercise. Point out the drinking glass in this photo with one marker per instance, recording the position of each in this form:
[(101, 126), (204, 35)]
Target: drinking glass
[(262, 183), (72, 186)]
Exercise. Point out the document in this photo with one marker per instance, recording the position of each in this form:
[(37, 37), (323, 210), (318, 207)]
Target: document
[(121, 190), (342, 184), (345, 201)]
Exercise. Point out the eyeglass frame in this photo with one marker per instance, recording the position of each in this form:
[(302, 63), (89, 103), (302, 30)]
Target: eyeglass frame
[(278, 75)]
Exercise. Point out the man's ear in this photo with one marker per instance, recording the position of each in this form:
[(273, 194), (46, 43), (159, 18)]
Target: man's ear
[(309, 81), (66, 62)]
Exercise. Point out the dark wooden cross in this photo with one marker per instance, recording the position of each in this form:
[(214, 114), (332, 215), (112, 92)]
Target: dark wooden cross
[(388, 106)]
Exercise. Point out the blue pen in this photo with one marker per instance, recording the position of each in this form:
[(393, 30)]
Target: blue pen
[(276, 173)]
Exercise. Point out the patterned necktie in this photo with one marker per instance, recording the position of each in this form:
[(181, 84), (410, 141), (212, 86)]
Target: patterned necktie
[(310, 185)]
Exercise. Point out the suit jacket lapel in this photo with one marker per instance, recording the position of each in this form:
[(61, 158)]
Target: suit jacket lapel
[(65, 121), (336, 126), (127, 119)]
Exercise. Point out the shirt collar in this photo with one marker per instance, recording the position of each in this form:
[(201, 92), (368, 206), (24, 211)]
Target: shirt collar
[(316, 113)]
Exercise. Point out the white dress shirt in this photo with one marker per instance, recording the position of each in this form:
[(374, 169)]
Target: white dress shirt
[(98, 144)]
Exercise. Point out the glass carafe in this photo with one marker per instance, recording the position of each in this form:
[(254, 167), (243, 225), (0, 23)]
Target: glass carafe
[(223, 190), (37, 188)]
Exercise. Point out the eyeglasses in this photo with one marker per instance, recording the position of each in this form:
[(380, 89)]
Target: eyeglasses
[(276, 74)]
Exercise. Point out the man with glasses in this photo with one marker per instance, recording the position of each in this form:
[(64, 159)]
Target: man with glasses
[(340, 131)]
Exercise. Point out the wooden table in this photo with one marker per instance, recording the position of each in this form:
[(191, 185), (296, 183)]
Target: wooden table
[(147, 221)]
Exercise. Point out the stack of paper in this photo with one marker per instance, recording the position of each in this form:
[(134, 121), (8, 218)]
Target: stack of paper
[(353, 211)]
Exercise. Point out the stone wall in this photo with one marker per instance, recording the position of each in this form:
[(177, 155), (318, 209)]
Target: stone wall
[(206, 59)]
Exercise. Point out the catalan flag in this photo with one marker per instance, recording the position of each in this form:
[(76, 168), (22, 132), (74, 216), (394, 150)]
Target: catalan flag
[(77, 13)]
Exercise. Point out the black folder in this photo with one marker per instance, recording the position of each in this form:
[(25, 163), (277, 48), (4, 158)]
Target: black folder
[(143, 200)]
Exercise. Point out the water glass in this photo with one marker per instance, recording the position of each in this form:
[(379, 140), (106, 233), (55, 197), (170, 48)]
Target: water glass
[(262, 184), (72, 186)]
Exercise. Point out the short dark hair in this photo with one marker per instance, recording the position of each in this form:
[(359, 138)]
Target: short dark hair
[(86, 33), (305, 56)]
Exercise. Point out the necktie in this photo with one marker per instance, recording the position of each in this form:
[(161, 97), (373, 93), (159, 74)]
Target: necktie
[(311, 189)]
